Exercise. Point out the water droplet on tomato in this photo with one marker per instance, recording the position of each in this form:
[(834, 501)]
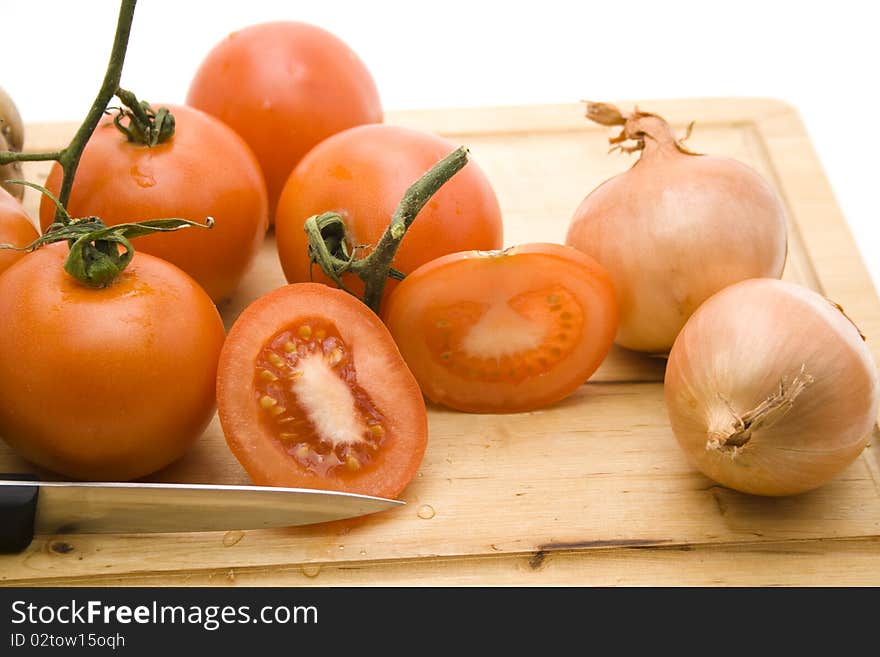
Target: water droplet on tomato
[(142, 178), (311, 570), (231, 538), (426, 512)]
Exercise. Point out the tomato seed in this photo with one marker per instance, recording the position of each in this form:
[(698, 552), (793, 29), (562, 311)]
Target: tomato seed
[(276, 360), (305, 331), (267, 402), (266, 375), (334, 357)]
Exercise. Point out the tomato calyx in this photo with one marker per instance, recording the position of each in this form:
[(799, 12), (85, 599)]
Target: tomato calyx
[(95, 257), (329, 242), (144, 125)]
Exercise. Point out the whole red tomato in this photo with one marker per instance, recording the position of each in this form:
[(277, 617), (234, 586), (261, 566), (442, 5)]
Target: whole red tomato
[(362, 174), (15, 228), (284, 87), (203, 170), (105, 383)]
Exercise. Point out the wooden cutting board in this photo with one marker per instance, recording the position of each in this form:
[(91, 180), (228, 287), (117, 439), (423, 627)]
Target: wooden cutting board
[(593, 491)]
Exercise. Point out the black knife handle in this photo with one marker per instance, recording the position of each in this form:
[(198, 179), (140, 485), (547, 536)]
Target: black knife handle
[(18, 510)]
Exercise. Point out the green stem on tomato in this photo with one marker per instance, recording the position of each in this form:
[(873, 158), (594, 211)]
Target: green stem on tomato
[(7, 157), (95, 257), (69, 156), (328, 245)]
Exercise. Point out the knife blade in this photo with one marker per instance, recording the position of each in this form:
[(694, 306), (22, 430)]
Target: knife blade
[(52, 507)]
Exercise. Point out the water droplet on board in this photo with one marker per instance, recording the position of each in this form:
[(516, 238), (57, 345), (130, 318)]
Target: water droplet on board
[(426, 512), (231, 538), (363, 552), (311, 569)]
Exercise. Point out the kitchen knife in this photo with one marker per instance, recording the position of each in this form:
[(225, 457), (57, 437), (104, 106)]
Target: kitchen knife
[(29, 507)]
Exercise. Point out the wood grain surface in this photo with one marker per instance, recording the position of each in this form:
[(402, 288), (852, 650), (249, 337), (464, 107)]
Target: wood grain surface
[(591, 491)]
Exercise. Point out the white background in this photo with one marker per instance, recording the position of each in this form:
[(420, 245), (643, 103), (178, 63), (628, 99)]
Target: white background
[(821, 57)]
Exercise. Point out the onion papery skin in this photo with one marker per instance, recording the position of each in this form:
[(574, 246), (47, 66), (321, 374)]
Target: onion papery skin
[(674, 229), (733, 353)]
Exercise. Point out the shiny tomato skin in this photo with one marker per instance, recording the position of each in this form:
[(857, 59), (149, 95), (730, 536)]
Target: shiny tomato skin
[(507, 331), (362, 174), (204, 170), (15, 228), (105, 384), (380, 372), (285, 86)]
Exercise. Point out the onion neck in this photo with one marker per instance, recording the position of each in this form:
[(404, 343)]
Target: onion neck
[(765, 414), (640, 131)]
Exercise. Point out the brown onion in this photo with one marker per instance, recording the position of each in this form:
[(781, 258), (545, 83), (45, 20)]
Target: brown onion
[(675, 228), (771, 389), (11, 126), (11, 138)]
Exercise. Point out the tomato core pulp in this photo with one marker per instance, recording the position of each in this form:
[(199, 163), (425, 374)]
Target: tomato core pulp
[(306, 387)]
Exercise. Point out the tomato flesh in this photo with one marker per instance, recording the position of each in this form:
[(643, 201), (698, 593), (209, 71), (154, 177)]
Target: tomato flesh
[(540, 328), (504, 331), (306, 386)]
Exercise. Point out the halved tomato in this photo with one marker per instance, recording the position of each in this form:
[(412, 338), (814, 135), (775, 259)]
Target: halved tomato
[(504, 331), (313, 393)]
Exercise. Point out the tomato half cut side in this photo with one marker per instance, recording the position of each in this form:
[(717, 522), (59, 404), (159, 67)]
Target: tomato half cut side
[(504, 331), (313, 393)]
